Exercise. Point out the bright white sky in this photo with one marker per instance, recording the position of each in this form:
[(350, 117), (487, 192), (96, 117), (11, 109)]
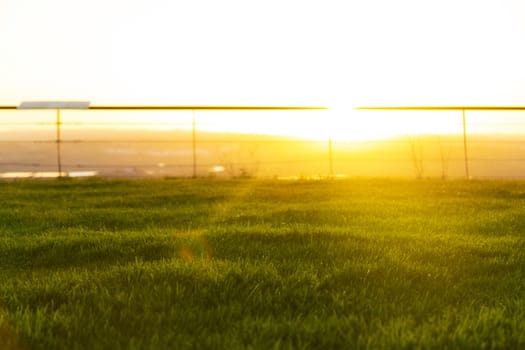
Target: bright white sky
[(339, 54)]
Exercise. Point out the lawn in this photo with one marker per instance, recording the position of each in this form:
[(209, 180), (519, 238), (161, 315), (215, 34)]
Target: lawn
[(260, 264)]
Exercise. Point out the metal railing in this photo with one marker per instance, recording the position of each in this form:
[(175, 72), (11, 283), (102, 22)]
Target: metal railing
[(187, 150), (58, 123), (463, 109)]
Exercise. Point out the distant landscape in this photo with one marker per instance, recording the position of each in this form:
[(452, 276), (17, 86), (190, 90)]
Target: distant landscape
[(139, 153)]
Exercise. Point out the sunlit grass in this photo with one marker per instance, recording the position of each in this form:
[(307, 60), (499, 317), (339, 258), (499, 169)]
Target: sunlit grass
[(262, 264)]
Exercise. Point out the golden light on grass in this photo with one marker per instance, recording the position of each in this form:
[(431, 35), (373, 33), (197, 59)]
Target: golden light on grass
[(9, 340), (195, 248), (186, 254)]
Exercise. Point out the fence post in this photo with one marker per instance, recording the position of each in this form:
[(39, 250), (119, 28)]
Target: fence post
[(465, 143), (330, 156), (194, 143), (59, 155)]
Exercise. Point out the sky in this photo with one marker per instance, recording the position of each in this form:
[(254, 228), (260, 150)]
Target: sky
[(339, 54)]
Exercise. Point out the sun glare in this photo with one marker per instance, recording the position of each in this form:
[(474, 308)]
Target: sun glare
[(338, 124), (376, 125)]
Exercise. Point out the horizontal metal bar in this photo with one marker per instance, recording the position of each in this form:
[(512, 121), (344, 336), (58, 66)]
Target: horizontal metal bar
[(189, 108), (207, 108), (408, 108), (444, 108), (498, 142)]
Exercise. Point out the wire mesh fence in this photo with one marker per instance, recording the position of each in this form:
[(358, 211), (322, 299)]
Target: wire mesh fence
[(226, 144)]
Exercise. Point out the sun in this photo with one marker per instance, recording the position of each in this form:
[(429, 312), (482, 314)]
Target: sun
[(349, 124), (338, 124)]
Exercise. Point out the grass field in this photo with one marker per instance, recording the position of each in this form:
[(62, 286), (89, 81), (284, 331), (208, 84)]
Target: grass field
[(184, 264)]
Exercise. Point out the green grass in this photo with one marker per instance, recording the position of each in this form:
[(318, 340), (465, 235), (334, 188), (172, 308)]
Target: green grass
[(185, 264)]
